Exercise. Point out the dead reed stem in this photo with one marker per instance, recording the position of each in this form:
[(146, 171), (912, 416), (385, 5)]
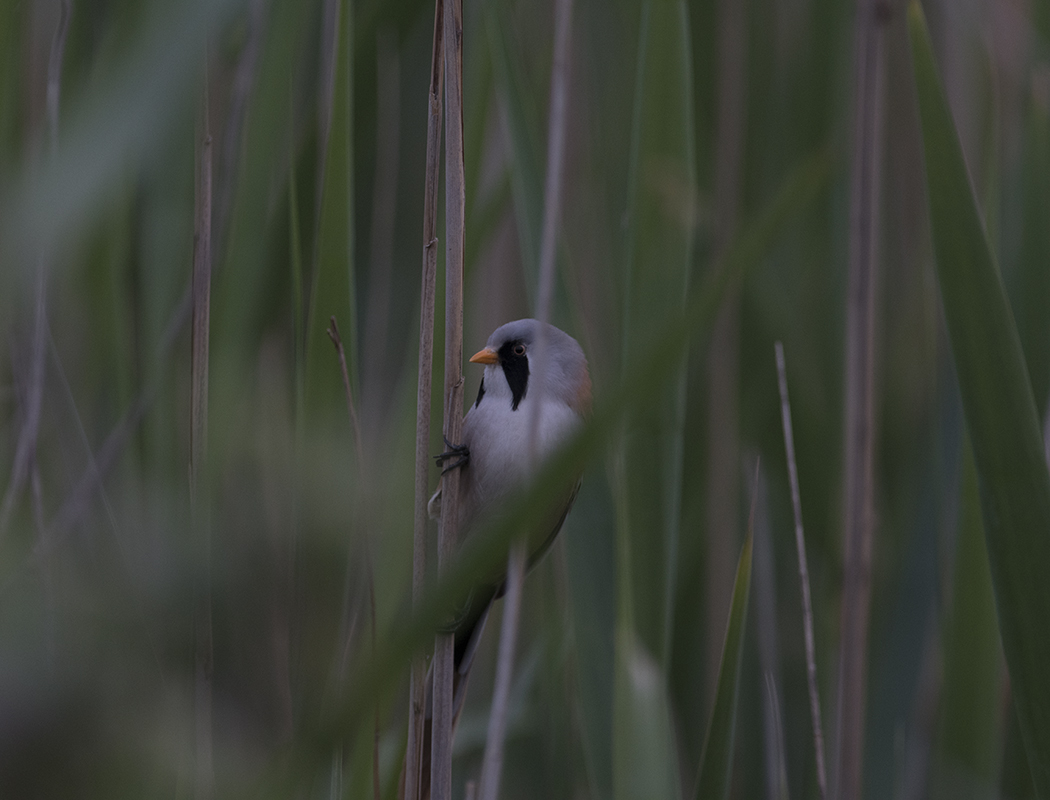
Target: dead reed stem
[(25, 450), (337, 341), (455, 211), (417, 684), (723, 483), (201, 293), (860, 376), (803, 574), (492, 764)]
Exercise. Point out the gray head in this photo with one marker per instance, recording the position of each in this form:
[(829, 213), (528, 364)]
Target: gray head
[(511, 349)]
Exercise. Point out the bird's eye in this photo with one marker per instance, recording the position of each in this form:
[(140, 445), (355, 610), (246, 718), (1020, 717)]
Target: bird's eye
[(519, 349)]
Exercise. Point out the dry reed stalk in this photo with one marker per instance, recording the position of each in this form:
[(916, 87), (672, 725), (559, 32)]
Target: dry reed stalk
[(860, 375), (201, 293), (417, 683), (803, 574), (25, 450), (455, 211), (370, 583), (722, 488), (376, 387), (492, 762)]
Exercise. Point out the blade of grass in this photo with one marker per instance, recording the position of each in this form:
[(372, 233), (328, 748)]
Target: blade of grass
[(1031, 295), (971, 736), (520, 121), (118, 121), (716, 761), (645, 767), (999, 409), (655, 281)]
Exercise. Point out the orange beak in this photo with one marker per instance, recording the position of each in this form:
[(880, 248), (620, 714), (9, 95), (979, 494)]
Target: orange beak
[(486, 356)]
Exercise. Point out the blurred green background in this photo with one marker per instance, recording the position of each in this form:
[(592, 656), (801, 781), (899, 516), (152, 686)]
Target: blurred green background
[(687, 123)]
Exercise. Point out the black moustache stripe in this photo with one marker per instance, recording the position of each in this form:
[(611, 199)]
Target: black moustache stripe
[(516, 369), (481, 393)]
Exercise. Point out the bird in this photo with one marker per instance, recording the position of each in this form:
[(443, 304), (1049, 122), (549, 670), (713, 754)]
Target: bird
[(498, 456)]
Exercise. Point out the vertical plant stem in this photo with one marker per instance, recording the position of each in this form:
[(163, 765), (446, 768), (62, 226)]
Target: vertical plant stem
[(722, 490), (378, 379), (333, 334), (25, 450), (417, 687), (860, 374), (492, 763), (201, 293), (803, 574), (455, 210)]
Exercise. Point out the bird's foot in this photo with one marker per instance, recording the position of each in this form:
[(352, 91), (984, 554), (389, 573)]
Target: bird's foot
[(457, 455)]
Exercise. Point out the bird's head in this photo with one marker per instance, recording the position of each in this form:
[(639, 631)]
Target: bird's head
[(511, 369)]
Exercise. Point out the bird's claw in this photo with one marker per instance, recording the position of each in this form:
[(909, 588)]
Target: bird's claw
[(457, 454)]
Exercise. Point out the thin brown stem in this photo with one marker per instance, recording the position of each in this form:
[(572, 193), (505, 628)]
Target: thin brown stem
[(333, 334), (859, 519), (492, 765), (455, 211), (722, 487), (424, 383), (803, 574), (24, 467), (337, 341), (201, 293)]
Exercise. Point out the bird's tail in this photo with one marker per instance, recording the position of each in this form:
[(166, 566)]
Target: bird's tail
[(467, 635)]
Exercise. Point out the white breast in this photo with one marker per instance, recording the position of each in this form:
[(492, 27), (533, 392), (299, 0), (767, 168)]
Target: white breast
[(498, 438)]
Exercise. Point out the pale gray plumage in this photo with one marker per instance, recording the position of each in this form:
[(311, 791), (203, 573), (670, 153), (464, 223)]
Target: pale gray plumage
[(496, 436)]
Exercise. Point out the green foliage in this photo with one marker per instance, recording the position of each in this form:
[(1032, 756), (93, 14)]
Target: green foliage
[(1000, 410), (621, 691), (716, 762)]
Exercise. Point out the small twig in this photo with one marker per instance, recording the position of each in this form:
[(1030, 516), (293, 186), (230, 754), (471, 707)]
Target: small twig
[(492, 765), (803, 574), (333, 334)]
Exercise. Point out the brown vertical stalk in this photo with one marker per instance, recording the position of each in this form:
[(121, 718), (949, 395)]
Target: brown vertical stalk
[(803, 574), (417, 689), (455, 211), (724, 454), (25, 451), (201, 293), (376, 386), (860, 371)]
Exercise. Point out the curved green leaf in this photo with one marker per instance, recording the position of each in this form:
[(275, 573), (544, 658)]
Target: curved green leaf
[(716, 763), (999, 406)]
